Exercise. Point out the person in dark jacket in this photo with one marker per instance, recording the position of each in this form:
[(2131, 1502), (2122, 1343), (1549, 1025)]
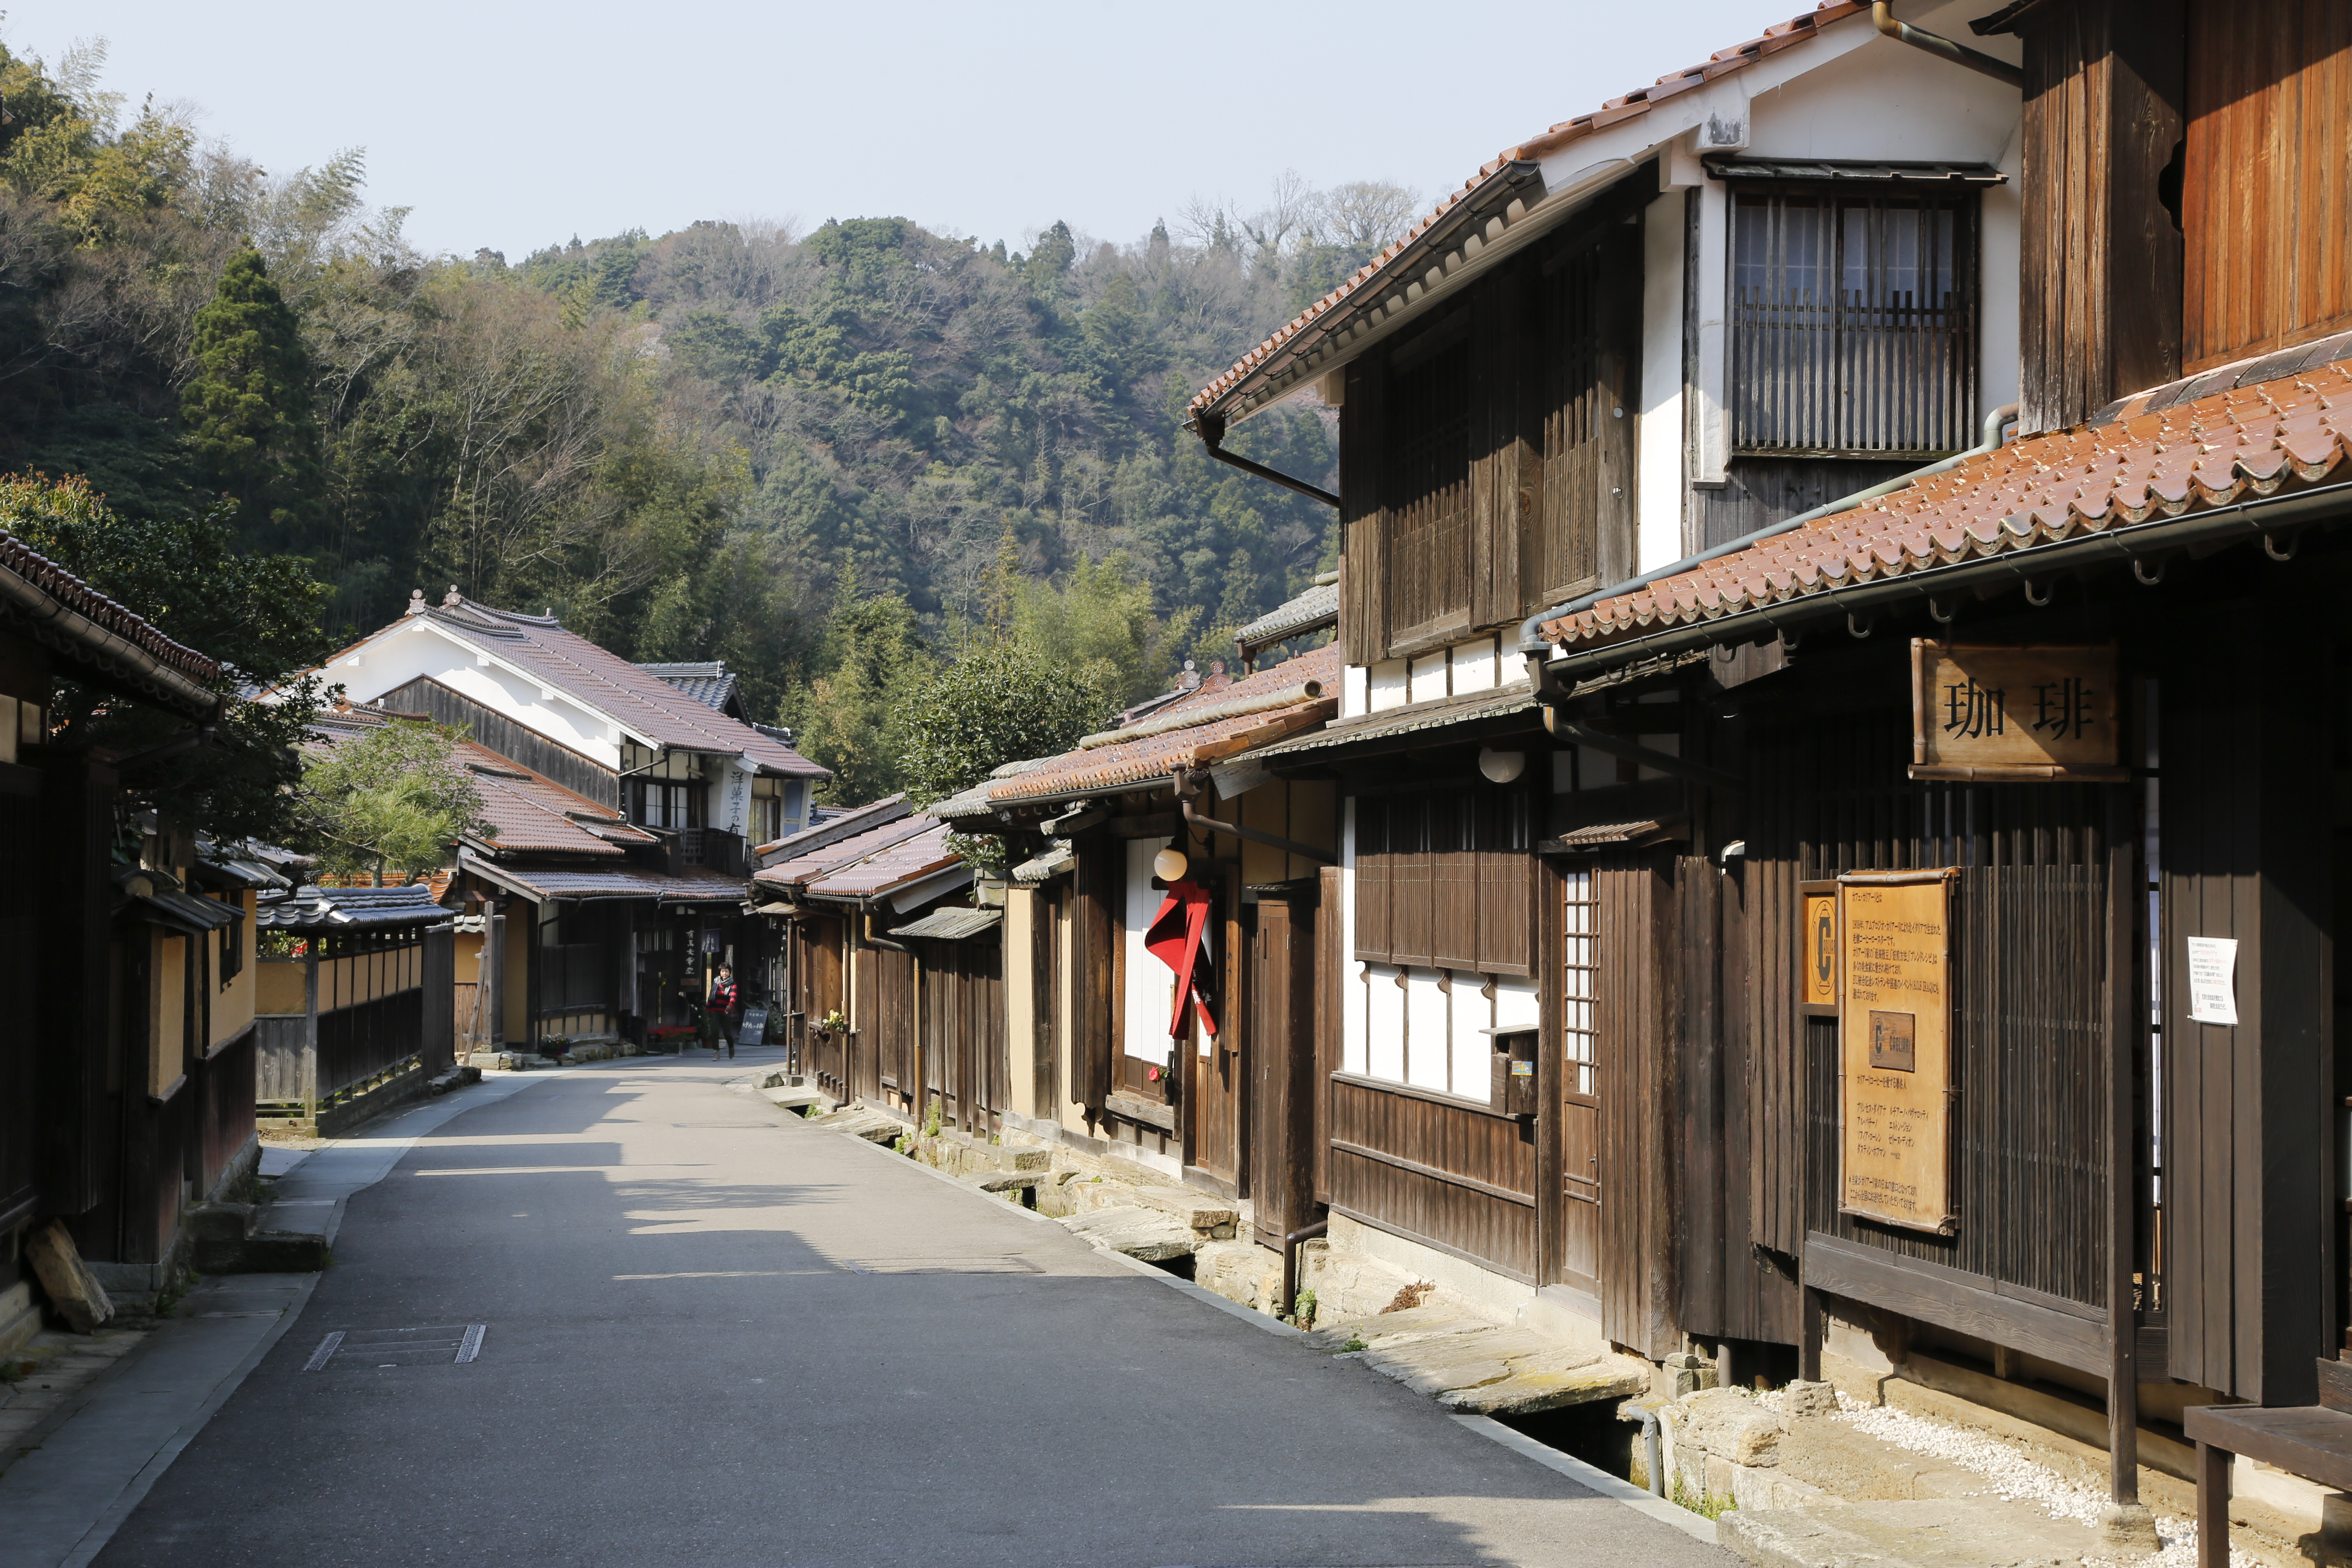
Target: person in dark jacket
[(719, 1012)]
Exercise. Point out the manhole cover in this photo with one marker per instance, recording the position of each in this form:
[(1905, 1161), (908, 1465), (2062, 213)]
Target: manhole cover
[(1003, 1264), (435, 1345)]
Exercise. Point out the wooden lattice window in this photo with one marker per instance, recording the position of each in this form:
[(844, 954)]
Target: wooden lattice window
[(1445, 880), (1580, 988), (1853, 323)]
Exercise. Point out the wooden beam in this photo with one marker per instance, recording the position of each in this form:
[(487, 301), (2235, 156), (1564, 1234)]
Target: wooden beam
[(1949, 1298)]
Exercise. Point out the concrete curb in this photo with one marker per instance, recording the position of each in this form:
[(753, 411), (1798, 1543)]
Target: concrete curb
[(1695, 1526)]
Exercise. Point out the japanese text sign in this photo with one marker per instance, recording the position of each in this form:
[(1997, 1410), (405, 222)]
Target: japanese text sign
[(1817, 986), (1894, 1053), (2014, 711)]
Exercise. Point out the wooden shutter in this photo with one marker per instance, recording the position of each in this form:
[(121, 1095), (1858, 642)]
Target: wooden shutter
[(1454, 878), (1506, 442), (2266, 192), (1425, 488), (1363, 572), (1507, 884), (1409, 888), (1372, 879), (1559, 560)]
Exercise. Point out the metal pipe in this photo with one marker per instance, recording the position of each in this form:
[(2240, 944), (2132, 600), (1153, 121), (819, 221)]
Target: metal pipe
[(1210, 428), (1531, 639), (1187, 789), (1650, 1445), (1290, 1262), (1882, 15)]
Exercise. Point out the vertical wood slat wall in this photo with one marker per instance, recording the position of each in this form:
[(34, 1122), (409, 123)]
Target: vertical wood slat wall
[(1445, 879), (2030, 1054), (2266, 193), (2100, 277), (1641, 1212), (1481, 482)]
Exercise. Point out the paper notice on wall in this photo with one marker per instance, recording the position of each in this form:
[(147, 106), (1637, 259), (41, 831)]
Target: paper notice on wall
[(2213, 980)]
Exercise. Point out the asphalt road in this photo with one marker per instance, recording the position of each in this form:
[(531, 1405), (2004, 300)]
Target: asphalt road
[(716, 1334)]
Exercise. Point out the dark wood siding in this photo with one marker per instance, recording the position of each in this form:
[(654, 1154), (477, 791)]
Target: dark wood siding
[(1638, 990), (2101, 266), (2266, 193), (1445, 878), (22, 897), (507, 739), (1281, 1045), (2250, 1261), (1457, 1176)]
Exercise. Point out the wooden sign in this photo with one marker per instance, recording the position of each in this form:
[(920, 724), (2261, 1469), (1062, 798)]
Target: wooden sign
[(1894, 1073), (1817, 988), (2014, 712)]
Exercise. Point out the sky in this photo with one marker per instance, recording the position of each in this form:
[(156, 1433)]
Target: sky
[(511, 127)]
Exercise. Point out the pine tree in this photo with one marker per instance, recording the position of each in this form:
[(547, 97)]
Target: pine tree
[(247, 412)]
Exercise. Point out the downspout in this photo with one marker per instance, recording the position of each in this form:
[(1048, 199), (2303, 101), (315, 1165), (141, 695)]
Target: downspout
[(1210, 430), (1882, 15), (1649, 1420), (1531, 637), (1290, 1243)]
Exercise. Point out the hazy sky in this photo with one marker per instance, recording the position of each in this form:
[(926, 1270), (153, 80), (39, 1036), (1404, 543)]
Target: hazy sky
[(514, 126)]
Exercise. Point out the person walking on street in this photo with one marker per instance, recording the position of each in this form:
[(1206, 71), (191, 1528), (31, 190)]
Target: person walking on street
[(719, 1011)]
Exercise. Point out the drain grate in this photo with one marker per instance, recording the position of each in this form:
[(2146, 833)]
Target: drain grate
[(434, 1344), (1002, 1263)]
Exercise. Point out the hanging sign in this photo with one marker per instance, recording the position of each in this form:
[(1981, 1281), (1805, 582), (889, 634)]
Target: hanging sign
[(2213, 980), (1817, 988), (1894, 1033), (2012, 712)]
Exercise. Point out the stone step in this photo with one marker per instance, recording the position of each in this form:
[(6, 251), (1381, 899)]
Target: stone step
[(1479, 1368), (1946, 1533), (1212, 1218), (795, 1098), (1152, 1235)]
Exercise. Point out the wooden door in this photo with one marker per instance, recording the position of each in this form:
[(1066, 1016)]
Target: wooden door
[(1579, 1079), (1045, 1001), (1282, 1056), (1219, 1064)]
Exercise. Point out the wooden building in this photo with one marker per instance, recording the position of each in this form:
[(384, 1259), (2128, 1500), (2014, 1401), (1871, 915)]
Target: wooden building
[(354, 1000), (1102, 1053), (627, 801), (1932, 950), (126, 1072), (895, 969)]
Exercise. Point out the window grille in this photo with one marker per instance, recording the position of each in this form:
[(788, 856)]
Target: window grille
[(1428, 495), (1853, 323), (1580, 992)]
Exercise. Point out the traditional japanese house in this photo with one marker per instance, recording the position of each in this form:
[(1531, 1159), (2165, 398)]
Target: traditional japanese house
[(1145, 1041), (627, 798), (1771, 279), (353, 1002), (1935, 957), (895, 975), (126, 1076)]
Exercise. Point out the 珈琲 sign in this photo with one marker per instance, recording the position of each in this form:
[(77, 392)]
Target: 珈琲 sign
[(2015, 712), (1817, 988), (1894, 1047)]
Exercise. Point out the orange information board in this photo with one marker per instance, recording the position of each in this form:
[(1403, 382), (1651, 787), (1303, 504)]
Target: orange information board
[(1894, 1047)]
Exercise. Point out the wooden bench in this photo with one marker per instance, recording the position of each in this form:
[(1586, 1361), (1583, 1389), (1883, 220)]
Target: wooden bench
[(2313, 1441)]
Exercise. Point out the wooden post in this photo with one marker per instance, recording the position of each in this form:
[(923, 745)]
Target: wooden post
[(2212, 1506), (2124, 1017), (1809, 1326)]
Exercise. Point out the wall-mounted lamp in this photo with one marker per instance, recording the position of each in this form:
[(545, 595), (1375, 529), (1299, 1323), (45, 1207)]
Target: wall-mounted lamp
[(1501, 767), (1170, 865)]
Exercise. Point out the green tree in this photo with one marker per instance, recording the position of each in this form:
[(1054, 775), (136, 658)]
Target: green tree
[(247, 410), (257, 616), (871, 660), (1098, 623), (395, 798), (1000, 703)]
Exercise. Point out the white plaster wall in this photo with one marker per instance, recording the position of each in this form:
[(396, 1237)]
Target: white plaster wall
[(1428, 1046), (418, 648), (1383, 1021), (1658, 463), (1385, 683), (1473, 1074), (1151, 990), (1353, 1022)]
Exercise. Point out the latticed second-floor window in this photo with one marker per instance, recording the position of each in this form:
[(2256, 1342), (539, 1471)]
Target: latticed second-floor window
[(1853, 323)]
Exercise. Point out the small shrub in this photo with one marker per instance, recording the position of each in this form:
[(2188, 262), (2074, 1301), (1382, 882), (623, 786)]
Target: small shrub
[(1302, 1310)]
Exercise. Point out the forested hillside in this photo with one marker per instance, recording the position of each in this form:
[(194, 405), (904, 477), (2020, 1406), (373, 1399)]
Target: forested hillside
[(820, 456)]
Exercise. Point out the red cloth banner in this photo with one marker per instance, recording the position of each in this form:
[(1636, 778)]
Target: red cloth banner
[(1175, 938)]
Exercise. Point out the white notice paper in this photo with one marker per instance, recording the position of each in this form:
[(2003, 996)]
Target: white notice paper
[(2213, 980)]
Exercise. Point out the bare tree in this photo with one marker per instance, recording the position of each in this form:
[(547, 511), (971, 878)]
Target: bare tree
[(1365, 215)]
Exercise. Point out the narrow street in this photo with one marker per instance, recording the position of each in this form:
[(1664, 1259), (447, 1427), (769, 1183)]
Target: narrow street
[(715, 1334)]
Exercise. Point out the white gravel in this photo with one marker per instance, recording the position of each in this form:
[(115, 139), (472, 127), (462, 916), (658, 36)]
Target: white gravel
[(2014, 1477)]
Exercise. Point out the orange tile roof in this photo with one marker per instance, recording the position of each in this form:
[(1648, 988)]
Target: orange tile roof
[(2278, 420), (532, 811), (1311, 324), (1156, 756)]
